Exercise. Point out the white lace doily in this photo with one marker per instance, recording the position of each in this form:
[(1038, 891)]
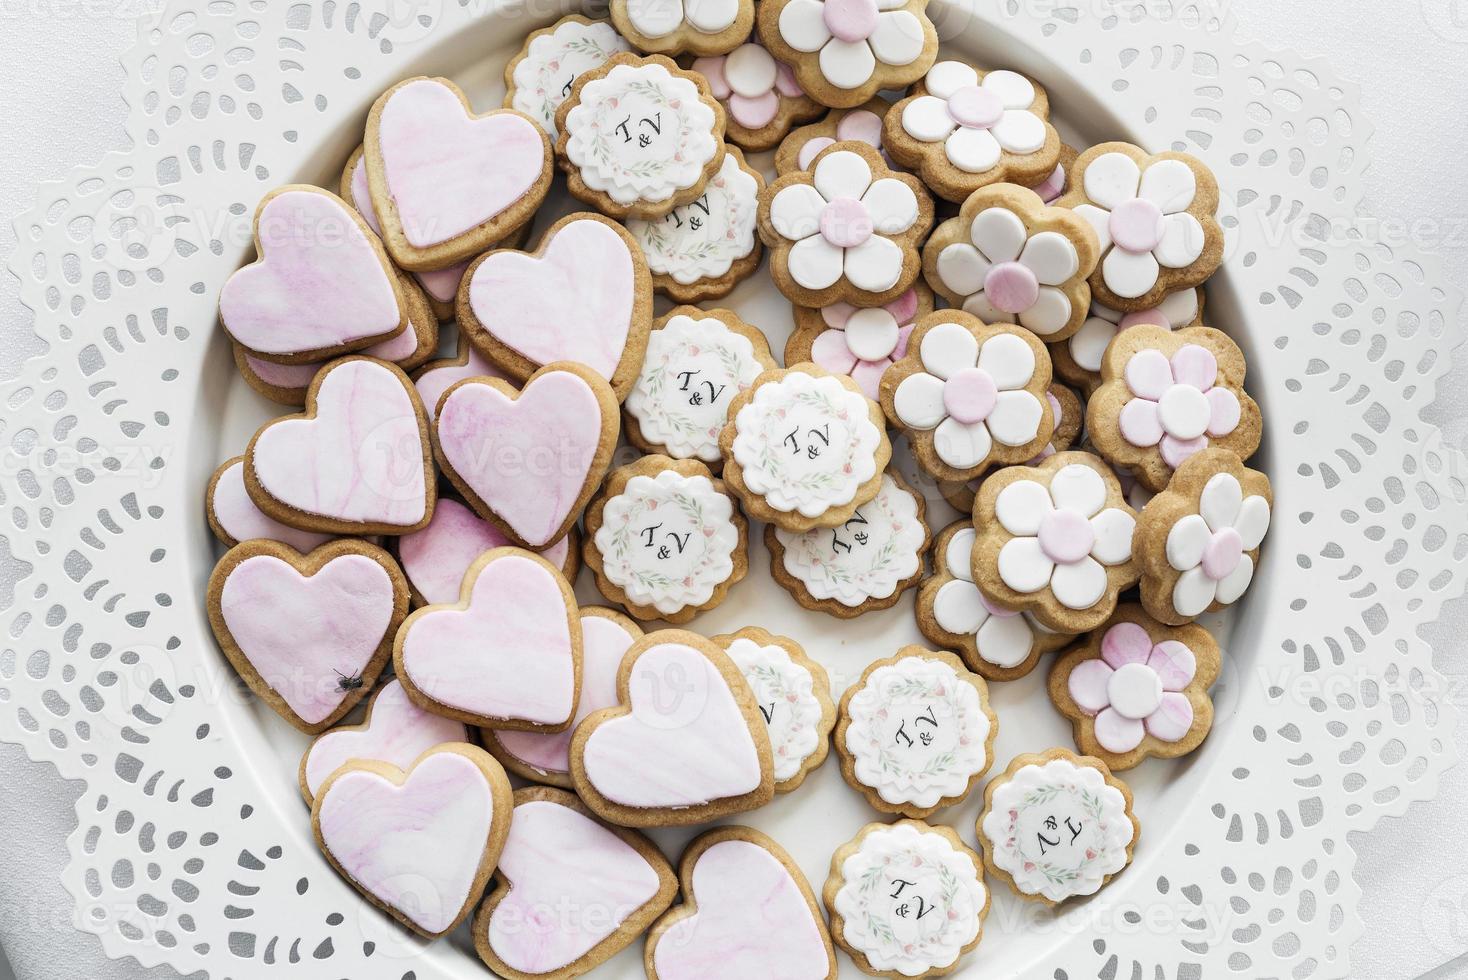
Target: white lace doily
[(190, 851)]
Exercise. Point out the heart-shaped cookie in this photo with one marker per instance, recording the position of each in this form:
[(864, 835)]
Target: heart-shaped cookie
[(506, 655), (447, 184), (395, 731), (747, 912), (612, 882), (437, 377), (686, 744), (529, 460), (420, 843), (322, 285), (308, 633), (356, 462), (233, 516), (585, 295)]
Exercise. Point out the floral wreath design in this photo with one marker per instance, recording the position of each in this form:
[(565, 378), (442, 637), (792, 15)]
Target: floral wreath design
[(531, 76)]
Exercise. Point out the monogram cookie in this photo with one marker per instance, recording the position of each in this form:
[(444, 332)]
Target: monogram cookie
[(541, 76)]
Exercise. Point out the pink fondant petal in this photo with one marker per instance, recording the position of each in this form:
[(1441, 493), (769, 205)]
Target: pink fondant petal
[(860, 125), (1126, 643), (785, 82), (1087, 686), (1148, 374), (837, 314), (1140, 422), (1117, 733), (830, 351), (808, 152), (713, 70), (868, 376), (1176, 452), (904, 334), (1174, 663), (1196, 366), (754, 113), (904, 307), (1225, 412), (1173, 719)]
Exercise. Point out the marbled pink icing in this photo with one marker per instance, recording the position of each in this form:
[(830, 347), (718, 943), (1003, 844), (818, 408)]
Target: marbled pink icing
[(527, 458), (292, 376), (434, 381), (443, 284), (237, 515), (399, 733), (509, 655), (573, 882), (359, 459), (752, 921), (436, 558), (304, 635), (574, 303), (318, 284), (415, 847), (448, 173)]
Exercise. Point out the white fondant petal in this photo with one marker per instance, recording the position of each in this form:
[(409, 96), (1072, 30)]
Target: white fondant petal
[(1023, 565), (1236, 583), (1015, 420), (892, 205), (803, 25), (1020, 131), (847, 64), (842, 174), (959, 609), (973, 151), (998, 233), (1050, 314), (960, 554), (1182, 241), (898, 38), (815, 263), (1021, 506), (1079, 585), (1100, 222), (1078, 488), (1013, 89), (1111, 180), (1051, 257), (1130, 274), (918, 401), (947, 349), (926, 118), (1008, 360), (1253, 521), (1220, 501), (795, 212), (1193, 593), (962, 269), (962, 446), (1113, 528), (875, 265), (1169, 184), (947, 77), (1004, 641), (1186, 543)]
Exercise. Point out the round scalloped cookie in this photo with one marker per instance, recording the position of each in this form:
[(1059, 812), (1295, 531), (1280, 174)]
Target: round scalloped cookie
[(540, 77)]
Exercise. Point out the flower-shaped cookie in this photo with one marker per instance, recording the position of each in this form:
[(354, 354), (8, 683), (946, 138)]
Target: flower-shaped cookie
[(674, 26), (963, 129), (1069, 414), (1137, 688), (862, 124), (1166, 395), (539, 78), (1009, 258), (761, 96), (1078, 359), (970, 395), (1199, 540), (847, 229), (1155, 217), (860, 343), (996, 643), (1055, 540), (846, 51)]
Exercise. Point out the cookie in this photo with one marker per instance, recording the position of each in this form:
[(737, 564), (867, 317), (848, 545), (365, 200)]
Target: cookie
[(995, 643), (862, 124), (848, 229), (436, 558), (606, 636), (395, 731), (915, 733), (1136, 688), (599, 885), (528, 460), (1167, 395), (429, 158), (1055, 540), (584, 295), (794, 697), (887, 876), (308, 633), (540, 77), (1057, 826), (665, 539), (1010, 258), (658, 761), (233, 516), (438, 376), (963, 129), (639, 136), (321, 284), (1069, 414), (697, 363), (865, 564), (804, 448), (1155, 217), (747, 911), (1198, 541), (357, 461), (1078, 359), (507, 654), (705, 248), (845, 52), (863, 343), (702, 27), (1055, 186), (760, 96), (419, 843), (970, 396)]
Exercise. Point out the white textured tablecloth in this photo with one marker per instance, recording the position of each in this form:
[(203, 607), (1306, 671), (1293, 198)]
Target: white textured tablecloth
[(59, 81)]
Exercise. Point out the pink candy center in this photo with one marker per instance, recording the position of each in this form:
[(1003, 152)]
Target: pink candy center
[(1011, 288), (1224, 552), (976, 107), (1066, 537), (850, 20), (845, 222), (1136, 226), (969, 396)]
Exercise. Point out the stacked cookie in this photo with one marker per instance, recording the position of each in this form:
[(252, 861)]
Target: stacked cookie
[(412, 539)]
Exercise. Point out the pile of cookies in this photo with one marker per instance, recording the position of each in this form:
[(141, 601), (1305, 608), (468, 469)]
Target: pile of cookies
[(1024, 322)]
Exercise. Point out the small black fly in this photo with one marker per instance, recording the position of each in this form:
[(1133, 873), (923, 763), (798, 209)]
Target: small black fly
[(345, 683)]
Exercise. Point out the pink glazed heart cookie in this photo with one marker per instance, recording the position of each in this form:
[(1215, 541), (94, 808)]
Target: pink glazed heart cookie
[(506, 655), (447, 184), (559, 856), (747, 912), (233, 516), (308, 633), (686, 743), (585, 295), (322, 284), (356, 462), (437, 377), (419, 843), (529, 460)]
